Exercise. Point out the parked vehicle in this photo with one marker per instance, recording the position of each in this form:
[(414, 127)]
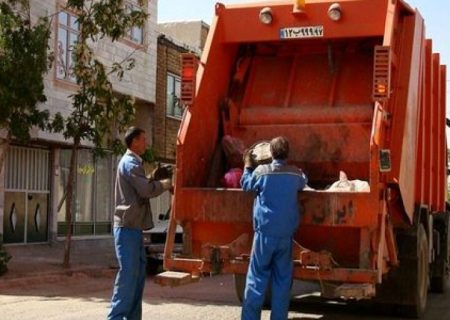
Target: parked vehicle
[(355, 87), (155, 238)]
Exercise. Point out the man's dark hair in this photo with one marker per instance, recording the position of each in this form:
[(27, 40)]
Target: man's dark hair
[(279, 147), (131, 134)]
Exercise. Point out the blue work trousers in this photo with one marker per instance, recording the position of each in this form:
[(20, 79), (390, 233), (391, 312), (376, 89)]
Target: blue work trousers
[(271, 259), (126, 302)]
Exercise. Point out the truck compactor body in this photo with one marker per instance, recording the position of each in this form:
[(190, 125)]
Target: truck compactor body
[(355, 86)]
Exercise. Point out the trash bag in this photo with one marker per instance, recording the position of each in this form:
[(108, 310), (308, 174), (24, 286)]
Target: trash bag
[(232, 178), (345, 185), (234, 149), (162, 172)]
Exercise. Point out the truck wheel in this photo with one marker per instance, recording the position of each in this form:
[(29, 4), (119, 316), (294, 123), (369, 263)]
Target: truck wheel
[(420, 281), (439, 268), (437, 283), (405, 288), (239, 286), (153, 265)]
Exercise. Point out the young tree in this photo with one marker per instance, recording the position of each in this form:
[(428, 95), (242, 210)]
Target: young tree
[(24, 60), (97, 111)]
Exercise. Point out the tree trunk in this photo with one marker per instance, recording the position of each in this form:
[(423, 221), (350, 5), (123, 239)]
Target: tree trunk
[(4, 147), (69, 200)]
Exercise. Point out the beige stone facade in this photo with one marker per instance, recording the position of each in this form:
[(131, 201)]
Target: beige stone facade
[(139, 82), (189, 33)]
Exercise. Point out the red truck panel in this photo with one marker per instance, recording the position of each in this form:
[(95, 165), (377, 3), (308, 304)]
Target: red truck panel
[(360, 19), (253, 85)]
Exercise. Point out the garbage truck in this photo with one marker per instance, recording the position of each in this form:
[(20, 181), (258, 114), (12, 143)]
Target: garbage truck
[(355, 86)]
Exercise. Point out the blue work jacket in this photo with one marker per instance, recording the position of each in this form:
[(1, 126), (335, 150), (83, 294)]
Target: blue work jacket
[(276, 209)]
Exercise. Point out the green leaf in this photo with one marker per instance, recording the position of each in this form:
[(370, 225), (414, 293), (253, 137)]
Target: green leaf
[(149, 155), (24, 61)]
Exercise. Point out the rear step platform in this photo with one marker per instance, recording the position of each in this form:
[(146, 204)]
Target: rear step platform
[(349, 291), (175, 279)]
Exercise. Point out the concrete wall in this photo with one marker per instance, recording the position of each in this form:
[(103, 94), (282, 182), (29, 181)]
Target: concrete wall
[(190, 33)]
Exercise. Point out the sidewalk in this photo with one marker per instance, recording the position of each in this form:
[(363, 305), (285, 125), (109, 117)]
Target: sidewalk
[(42, 263)]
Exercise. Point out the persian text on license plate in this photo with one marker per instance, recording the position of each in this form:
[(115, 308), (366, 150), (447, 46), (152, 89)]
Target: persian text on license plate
[(301, 32)]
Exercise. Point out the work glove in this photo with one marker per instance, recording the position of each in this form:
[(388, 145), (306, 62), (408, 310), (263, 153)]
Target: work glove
[(166, 184), (248, 159), (161, 173)]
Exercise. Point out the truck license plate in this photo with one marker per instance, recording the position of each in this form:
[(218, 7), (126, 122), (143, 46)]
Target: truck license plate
[(301, 32)]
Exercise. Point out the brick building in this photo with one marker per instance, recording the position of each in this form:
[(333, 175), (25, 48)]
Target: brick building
[(35, 174), (175, 39)]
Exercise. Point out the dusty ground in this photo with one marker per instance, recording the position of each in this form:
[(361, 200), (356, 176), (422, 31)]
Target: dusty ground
[(83, 297)]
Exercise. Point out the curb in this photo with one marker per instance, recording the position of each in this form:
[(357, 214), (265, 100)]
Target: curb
[(56, 276)]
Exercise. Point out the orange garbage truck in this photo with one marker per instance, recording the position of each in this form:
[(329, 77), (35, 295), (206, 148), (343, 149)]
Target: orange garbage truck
[(355, 87)]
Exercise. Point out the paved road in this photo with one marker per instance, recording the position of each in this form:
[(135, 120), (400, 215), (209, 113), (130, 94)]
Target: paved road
[(212, 298)]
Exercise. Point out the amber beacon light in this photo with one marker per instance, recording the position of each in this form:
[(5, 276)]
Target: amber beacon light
[(299, 6)]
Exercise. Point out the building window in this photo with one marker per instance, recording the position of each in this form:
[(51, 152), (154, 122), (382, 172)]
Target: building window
[(92, 193), (68, 30), (135, 34), (173, 96)]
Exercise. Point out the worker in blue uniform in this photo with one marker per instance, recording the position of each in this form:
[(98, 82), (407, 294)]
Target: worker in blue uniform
[(275, 219)]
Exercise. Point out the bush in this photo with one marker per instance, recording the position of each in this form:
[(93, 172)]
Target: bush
[(4, 258)]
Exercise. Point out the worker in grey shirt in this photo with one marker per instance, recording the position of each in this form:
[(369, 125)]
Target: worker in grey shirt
[(132, 215)]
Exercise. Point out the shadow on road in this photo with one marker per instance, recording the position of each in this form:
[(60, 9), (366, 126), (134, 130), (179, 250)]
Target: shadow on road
[(318, 308)]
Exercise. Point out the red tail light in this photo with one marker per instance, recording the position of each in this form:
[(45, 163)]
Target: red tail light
[(189, 63)]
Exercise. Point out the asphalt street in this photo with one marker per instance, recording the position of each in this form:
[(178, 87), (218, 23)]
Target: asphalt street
[(84, 297)]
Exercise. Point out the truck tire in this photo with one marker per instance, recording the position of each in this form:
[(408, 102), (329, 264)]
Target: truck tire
[(239, 286), (153, 266), (439, 268), (406, 287), (420, 281), (437, 283)]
